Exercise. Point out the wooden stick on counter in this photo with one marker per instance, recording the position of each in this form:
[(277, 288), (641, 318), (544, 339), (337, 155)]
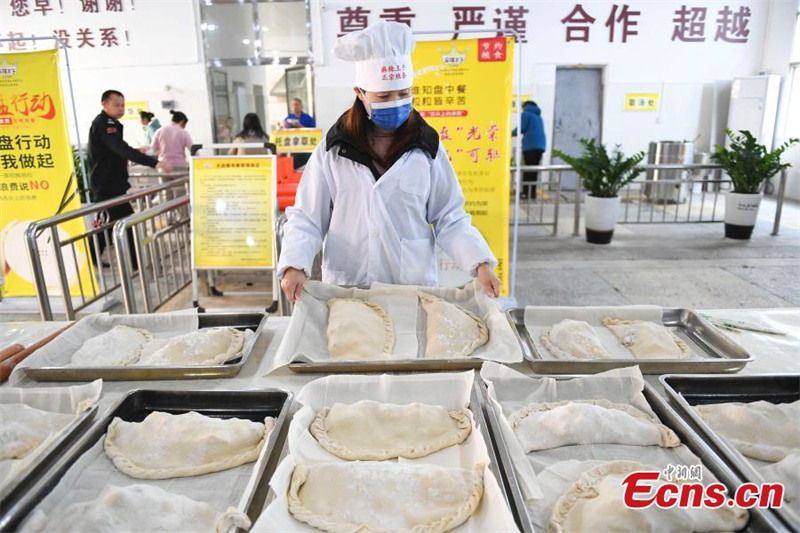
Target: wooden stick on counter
[(8, 365), (5, 353)]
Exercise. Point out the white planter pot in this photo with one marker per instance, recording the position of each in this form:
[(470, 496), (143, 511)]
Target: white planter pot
[(601, 218), (741, 212)]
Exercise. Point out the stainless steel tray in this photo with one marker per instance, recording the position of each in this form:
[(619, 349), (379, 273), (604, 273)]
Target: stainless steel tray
[(405, 365), (759, 519), (686, 391), (478, 408), (135, 406), (148, 373), (46, 458), (722, 354)]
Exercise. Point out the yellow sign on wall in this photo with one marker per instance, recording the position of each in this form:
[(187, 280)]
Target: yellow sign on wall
[(132, 110), (233, 212), (463, 89), (297, 140), (641, 102), (522, 99), (37, 180)]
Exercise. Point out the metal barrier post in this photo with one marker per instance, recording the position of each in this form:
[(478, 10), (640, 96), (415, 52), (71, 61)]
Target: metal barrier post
[(45, 311), (138, 238), (557, 204), (62, 273), (776, 226), (124, 266), (576, 230)]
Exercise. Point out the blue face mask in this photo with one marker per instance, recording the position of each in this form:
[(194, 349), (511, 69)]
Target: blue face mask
[(390, 115)]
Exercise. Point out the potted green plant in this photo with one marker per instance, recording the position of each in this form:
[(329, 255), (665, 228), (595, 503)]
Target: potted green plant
[(749, 165), (603, 176)]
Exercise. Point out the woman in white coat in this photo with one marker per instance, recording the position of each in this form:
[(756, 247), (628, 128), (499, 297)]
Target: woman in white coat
[(380, 191)]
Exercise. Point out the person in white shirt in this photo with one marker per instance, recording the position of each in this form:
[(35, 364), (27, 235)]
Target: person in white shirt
[(380, 191)]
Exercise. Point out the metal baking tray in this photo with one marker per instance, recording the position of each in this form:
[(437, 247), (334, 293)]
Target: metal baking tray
[(135, 406), (45, 459), (402, 365), (477, 407), (147, 373), (759, 519), (722, 354), (686, 391)]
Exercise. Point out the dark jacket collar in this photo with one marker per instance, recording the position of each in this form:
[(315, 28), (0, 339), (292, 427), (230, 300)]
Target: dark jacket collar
[(427, 141), (105, 116)]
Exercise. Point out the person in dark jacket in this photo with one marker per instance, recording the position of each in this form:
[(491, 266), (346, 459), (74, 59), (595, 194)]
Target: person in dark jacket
[(108, 155), (534, 143)]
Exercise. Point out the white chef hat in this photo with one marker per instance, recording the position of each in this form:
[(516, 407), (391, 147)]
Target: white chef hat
[(382, 54)]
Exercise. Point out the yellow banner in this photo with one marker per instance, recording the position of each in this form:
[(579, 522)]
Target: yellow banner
[(297, 140), (132, 110), (37, 180), (463, 89), (641, 102), (233, 212)]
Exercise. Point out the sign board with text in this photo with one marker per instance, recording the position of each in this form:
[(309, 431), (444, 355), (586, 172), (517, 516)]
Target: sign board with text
[(641, 102), (297, 140), (463, 90), (233, 212)]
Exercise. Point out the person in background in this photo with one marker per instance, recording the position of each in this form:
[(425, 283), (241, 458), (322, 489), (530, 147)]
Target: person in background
[(252, 132), (171, 142), (298, 119), (108, 155), (150, 124), (534, 143)]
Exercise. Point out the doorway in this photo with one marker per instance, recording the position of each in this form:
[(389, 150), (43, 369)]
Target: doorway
[(261, 110), (578, 112)]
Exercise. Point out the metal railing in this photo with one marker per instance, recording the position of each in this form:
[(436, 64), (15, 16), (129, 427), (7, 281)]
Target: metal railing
[(693, 196), (162, 250), (57, 263), (540, 201), (141, 177)]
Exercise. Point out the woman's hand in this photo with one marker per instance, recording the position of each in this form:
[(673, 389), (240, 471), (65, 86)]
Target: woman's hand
[(488, 280), (292, 283)]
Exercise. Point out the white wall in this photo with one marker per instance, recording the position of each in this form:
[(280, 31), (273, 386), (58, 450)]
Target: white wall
[(159, 46), (776, 59), (693, 79)]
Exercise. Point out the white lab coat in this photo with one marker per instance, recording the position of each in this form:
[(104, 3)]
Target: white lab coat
[(380, 230)]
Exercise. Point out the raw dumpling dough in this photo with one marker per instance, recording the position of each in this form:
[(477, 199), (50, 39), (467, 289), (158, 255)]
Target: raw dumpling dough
[(373, 431), (595, 503), (141, 508), (358, 330), (119, 346), (574, 339), (24, 428), (647, 340), (165, 446), (452, 331), (760, 430), (787, 472), (207, 346), (384, 496), (542, 426)]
